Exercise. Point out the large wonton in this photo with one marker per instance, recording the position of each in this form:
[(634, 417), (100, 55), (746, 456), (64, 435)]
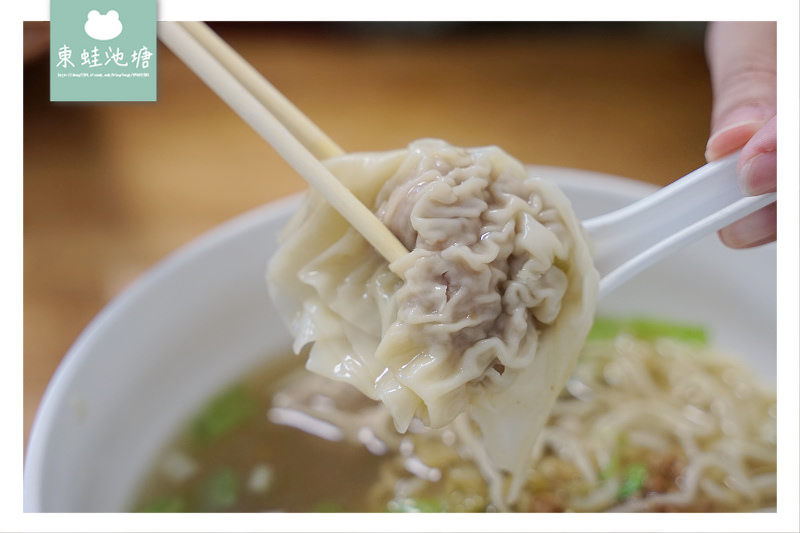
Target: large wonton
[(497, 293)]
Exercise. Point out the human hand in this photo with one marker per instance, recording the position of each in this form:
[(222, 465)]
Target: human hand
[(742, 61)]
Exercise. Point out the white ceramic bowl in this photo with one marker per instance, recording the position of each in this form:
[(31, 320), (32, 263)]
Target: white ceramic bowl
[(202, 318)]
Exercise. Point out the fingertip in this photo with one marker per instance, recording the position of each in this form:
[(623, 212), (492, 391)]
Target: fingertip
[(730, 138), (753, 230), (758, 175)]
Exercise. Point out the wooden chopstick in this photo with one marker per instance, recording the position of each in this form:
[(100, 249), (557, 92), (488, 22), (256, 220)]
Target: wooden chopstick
[(221, 80)]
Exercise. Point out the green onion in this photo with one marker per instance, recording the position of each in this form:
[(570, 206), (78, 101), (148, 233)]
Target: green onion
[(165, 504), (653, 329), (219, 491), (327, 507), (647, 329), (635, 477), (412, 505), (222, 414), (604, 328)]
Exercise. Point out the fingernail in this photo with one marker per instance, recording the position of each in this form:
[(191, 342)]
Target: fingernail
[(758, 174), (755, 229), (730, 138)]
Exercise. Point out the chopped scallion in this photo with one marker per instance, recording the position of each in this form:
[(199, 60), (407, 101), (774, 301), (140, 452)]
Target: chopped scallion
[(327, 507), (222, 414), (166, 504), (411, 505), (219, 491), (647, 329), (635, 476)]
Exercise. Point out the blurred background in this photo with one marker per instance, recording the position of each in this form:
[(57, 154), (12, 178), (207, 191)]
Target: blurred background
[(111, 188)]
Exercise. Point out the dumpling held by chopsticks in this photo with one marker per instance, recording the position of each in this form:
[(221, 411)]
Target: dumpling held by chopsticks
[(485, 315)]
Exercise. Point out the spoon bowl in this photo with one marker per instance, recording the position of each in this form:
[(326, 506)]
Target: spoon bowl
[(630, 239)]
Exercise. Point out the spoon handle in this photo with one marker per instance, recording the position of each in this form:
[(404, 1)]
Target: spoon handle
[(634, 237)]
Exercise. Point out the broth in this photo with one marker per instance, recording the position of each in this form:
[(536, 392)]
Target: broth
[(254, 465)]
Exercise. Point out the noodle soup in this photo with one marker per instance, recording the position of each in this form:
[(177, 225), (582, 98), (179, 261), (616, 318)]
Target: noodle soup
[(98, 434), (653, 419)]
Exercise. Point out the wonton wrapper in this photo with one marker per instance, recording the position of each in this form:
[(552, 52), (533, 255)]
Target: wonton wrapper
[(499, 293)]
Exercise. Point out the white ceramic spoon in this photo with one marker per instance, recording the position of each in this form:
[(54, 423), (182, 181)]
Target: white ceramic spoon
[(634, 237)]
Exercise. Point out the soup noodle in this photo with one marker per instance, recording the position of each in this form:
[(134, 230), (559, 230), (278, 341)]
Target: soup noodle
[(643, 424), (461, 379)]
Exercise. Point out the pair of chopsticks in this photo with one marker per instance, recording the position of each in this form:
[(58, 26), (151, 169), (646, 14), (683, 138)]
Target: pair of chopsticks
[(296, 138)]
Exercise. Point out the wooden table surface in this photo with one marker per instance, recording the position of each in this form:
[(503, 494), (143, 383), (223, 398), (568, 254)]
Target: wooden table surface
[(110, 188)]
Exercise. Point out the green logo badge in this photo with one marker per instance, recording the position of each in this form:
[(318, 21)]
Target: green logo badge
[(103, 50)]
